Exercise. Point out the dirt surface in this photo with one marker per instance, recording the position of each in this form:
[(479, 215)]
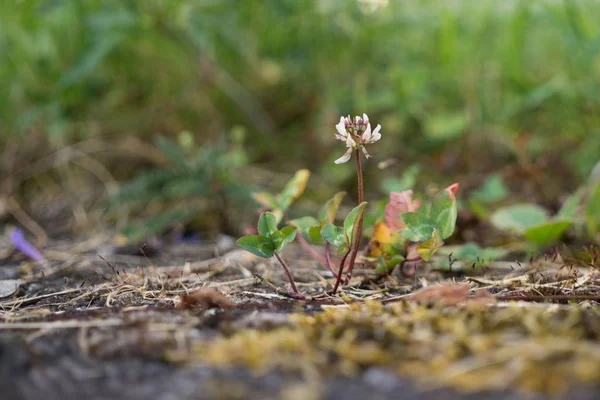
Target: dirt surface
[(203, 320)]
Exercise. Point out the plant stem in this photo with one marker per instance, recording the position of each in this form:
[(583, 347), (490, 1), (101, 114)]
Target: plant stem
[(341, 270), (328, 260), (288, 273), (358, 230), (308, 249)]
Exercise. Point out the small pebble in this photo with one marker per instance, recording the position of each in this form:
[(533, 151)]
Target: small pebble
[(8, 287)]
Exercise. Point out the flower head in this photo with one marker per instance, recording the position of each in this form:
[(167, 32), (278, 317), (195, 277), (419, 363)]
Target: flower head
[(356, 133)]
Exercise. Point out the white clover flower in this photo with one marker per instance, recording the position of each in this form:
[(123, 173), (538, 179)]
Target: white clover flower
[(356, 133)]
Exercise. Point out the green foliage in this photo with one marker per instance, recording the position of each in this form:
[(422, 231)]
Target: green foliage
[(493, 190), (419, 227), (335, 235), (438, 220), (547, 232), (198, 180), (592, 211), (406, 181), (351, 220), (284, 236), (385, 265), (428, 248), (267, 224), (519, 217), (270, 239), (329, 210), (444, 212), (342, 237), (470, 255), (78, 64), (531, 221), (257, 245), (310, 228)]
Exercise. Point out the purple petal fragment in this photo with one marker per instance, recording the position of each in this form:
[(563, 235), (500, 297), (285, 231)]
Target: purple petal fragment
[(17, 237)]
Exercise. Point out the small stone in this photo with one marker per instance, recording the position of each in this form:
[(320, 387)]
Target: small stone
[(8, 287)]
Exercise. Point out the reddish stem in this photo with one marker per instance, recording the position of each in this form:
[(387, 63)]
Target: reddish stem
[(328, 260), (308, 248), (339, 274), (289, 274), (358, 230)]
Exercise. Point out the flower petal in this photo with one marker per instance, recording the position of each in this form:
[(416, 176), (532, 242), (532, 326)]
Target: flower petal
[(341, 127), (17, 237), (345, 157), (365, 151), (365, 118), (366, 136), (350, 142), (376, 135)]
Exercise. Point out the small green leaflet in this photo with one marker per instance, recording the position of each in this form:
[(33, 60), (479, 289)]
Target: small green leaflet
[(519, 217), (283, 237), (548, 232), (267, 224), (280, 202), (334, 235), (294, 188), (305, 225), (329, 210), (351, 220), (429, 247), (257, 245), (444, 212), (419, 227)]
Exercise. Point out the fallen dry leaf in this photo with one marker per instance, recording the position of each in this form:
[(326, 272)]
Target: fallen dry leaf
[(205, 298), (452, 294), (448, 294)]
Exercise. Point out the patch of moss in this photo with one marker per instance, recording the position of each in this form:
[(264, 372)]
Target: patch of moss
[(529, 348)]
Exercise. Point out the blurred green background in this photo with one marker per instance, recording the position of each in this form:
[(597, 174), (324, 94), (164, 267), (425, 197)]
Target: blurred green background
[(462, 88)]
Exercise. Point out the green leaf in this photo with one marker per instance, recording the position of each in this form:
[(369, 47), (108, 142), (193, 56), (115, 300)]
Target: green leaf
[(314, 235), (592, 210), (304, 224), (266, 199), (91, 59), (329, 210), (267, 224), (419, 227), (548, 232), (444, 213), (493, 189), (172, 151), (294, 188), (334, 235), (283, 237), (351, 220), (569, 207), (385, 265), (257, 245), (430, 246), (518, 218)]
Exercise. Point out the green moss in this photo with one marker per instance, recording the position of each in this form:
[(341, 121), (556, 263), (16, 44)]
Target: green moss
[(532, 348)]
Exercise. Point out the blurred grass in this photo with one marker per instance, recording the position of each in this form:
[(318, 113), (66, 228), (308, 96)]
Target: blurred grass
[(459, 79)]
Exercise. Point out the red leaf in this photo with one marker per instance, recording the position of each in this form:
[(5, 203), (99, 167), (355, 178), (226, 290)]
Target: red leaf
[(400, 203)]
